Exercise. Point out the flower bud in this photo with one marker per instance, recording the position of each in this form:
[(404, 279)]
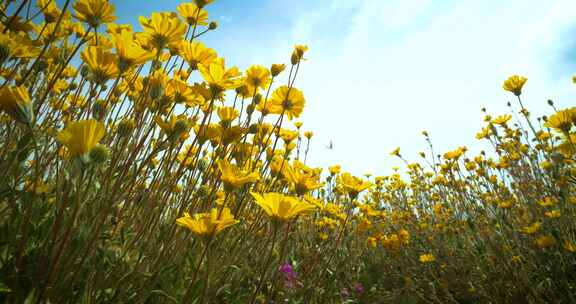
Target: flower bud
[(180, 127), (100, 154), (125, 127), (276, 69)]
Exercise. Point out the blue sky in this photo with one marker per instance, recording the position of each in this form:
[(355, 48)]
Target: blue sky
[(382, 71)]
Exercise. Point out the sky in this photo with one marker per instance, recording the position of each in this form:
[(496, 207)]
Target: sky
[(379, 72)]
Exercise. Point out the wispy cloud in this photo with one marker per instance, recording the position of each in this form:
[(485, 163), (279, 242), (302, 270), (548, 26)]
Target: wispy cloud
[(396, 68)]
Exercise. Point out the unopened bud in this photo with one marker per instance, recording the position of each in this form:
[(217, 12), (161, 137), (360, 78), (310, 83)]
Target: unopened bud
[(125, 127), (99, 154)]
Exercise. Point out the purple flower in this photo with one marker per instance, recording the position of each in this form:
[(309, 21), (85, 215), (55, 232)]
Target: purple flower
[(358, 288), (290, 276)]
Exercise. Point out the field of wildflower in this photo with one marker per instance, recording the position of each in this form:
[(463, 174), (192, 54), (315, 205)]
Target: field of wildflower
[(138, 166)]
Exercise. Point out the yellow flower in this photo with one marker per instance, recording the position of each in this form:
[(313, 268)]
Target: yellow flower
[(547, 202), (553, 214), (281, 207), (545, 241), (162, 30), (427, 258), (208, 224), (276, 69), (532, 229), (298, 53), (173, 127), (301, 179), (570, 246), (396, 152), (227, 114), (193, 14), (208, 132), (49, 9), (257, 76), (17, 46), (219, 78), (287, 100), (502, 119), (233, 177), (94, 12), (514, 84), (352, 184), (334, 169), (129, 52), (101, 63), (196, 53), (81, 136), (16, 102), (561, 120)]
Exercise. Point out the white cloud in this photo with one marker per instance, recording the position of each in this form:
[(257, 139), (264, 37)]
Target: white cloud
[(381, 72)]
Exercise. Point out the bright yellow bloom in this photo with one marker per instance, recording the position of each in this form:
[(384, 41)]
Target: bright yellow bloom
[(553, 214), (49, 9), (129, 52), (219, 78), (101, 63), (233, 177), (211, 132), (81, 136), (180, 92), (162, 30), (281, 207), (532, 229), (227, 114), (257, 76), (514, 84), (547, 201), (276, 69), (352, 184), (208, 224), (561, 120), (16, 102), (17, 46), (570, 246), (334, 169), (298, 53), (545, 241), (196, 53), (94, 12), (301, 179), (427, 258), (193, 14), (287, 100), (502, 119)]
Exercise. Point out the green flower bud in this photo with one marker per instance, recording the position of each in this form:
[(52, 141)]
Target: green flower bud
[(99, 154), (125, 127)]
